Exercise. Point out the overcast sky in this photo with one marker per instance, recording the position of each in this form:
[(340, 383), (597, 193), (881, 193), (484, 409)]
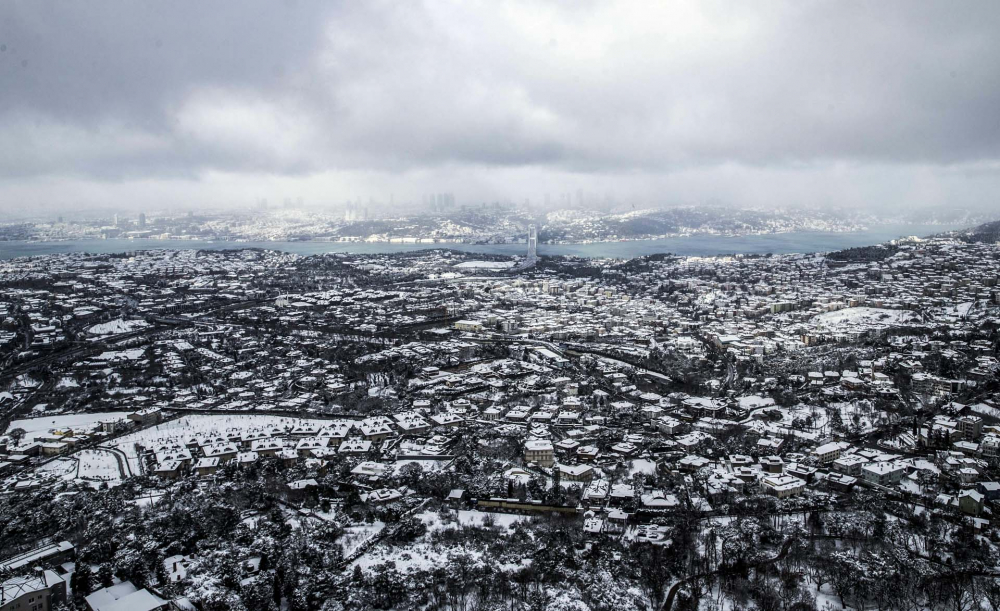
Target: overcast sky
[(144, 104)]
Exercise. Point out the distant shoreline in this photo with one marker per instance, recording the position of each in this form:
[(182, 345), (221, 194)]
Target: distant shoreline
[(711, 245), (433, 241)]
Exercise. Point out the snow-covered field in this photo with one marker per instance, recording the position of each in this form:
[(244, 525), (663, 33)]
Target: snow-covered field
[(114, 327), (77, 422), (788, 416), (851, 318), (60, 468), (421, 555), (355, 536), (755, 401), (67, 382), (469, 518), (854, 414), (98, 466), (486, 265), (93, 466), (642, 465), (426, 465)]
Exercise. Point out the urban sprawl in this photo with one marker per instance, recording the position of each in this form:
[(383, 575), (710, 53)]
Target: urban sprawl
[(251, 429)]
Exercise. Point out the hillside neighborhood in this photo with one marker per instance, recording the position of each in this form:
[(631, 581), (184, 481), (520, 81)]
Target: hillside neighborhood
[(251, 429)]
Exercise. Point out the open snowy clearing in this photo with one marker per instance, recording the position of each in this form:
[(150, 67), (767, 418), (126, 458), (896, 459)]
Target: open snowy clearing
[(114, 327), (98, 466), (850, 318), (469, 518), (486, 265), (356, 536), (60, 468), (78, 422), (92, 466), (642, 465)]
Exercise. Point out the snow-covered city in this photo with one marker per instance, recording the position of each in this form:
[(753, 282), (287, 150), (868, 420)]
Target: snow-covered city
[(523, 305)]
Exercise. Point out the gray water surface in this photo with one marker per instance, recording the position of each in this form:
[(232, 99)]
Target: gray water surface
[(702, 245)]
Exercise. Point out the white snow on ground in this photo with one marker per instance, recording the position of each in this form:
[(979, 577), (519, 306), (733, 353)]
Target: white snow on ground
[(416, 557), (61, 468), (961, 309), (642, 465), (848, 411), (67, 383), (92, 466), (355, 536), (752, 401), (426, 465), (77, 422), (469, 518), (98, 466), (827, 599), (486, 264), (788, 416), (420, 555), (189, 426), (114, 327), (924, 465), (850, 318)]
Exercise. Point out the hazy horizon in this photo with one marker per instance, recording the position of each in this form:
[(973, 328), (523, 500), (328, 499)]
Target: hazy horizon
[(871, 106)]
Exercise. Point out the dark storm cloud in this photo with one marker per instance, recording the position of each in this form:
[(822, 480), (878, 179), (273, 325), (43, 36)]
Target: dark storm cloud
[(624, 94)]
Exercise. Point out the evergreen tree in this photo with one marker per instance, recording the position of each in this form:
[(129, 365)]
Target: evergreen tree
[(106, 576), (82, 581)]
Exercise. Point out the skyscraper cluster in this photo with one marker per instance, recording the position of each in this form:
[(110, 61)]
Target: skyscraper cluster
[(439, 201)]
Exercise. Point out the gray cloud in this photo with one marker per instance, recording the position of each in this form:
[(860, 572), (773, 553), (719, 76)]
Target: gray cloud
[(680, 101)]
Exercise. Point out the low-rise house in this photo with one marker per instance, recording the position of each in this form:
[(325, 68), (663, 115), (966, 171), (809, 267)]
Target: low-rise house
[(176, 567), (540, 452), (841, 482), (307, 447), (658, 499), (772, 464), (125, 596), (783, 486), (971, 502), (224, 452), (829, 452), (370, 468), (383, 495), (53, 553), (448, 419), (41, 591), (169, 470), (300, 489), (355, 447), (206, 466), (693, 462), (989, 490), (587, 453), (576, 473), (849, 465), (266, 447), (54, 448), (147, 416), (883, 473), (803, 472)]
